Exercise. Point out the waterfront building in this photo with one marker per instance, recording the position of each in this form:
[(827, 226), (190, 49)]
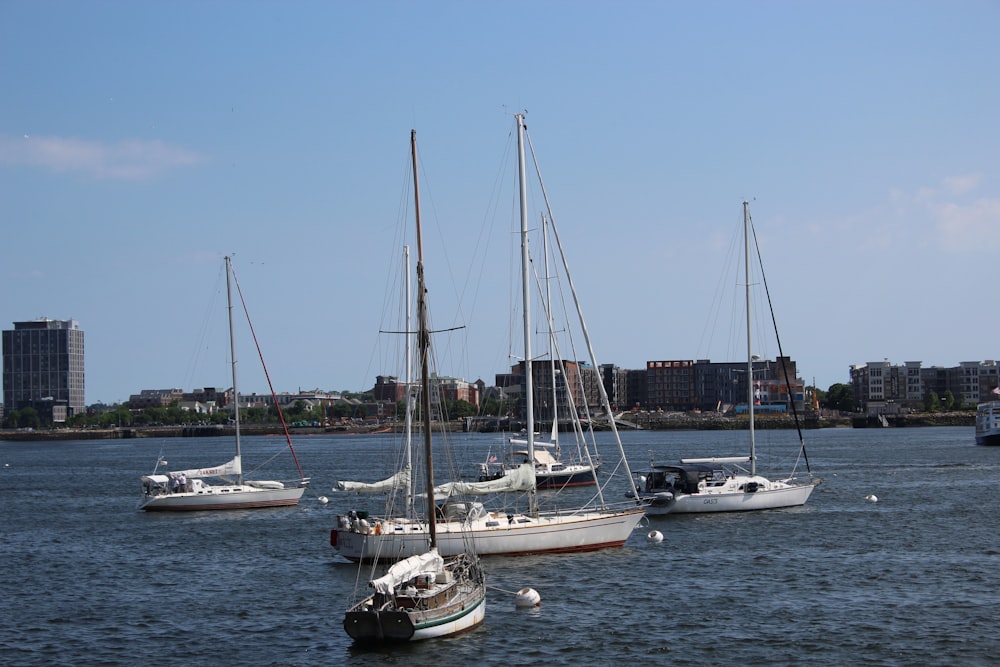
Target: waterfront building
[(683, 385), (881, 387), (43, 368), (635, 388), (670, 385), (389, 390), (615, 382), (576, 384)]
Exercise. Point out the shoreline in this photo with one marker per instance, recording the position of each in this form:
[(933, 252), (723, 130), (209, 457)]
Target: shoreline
[(647, 422)]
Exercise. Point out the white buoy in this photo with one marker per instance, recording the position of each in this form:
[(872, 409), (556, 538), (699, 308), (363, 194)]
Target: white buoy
[(527, 597), (872, 498), (323, 500), (654, 536)]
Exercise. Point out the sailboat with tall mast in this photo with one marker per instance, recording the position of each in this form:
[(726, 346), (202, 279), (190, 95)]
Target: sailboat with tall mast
[(424, 595), (723, 484), (552, 470), (532, 531), (194, 489)]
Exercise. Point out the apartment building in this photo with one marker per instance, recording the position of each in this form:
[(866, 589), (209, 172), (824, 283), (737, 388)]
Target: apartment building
[(881, 387)]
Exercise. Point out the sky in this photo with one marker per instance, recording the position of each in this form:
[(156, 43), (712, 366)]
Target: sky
[(141, 142)]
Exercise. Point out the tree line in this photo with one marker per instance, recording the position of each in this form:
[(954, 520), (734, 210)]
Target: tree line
[(839, 397)]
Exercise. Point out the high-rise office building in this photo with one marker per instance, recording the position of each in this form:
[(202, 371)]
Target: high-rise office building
[(43, 368)]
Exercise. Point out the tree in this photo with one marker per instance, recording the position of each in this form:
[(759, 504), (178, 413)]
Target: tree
[(949, 401), (25, 418), (840, 397), (932, 403), (461, 408)]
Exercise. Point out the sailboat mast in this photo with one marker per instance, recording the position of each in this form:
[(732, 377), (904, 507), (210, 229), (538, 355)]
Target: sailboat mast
[(529, 396), (423, 349), (408, 379), (232, 355), (552, 357), (750, 382)]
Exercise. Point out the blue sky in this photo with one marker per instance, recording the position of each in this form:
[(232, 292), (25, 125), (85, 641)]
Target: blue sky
[(142, 141)]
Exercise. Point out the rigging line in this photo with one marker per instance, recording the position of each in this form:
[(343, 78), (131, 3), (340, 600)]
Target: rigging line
[(395, 282), (206, 323), (605, 403), (484, 238), (462, 346), (784, 366), (267, 375), (574, 416)]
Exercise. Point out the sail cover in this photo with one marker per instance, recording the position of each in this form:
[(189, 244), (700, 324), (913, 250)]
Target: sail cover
[(429, 563), (719, 459), (231, 468), (397, 481), (521, 478)]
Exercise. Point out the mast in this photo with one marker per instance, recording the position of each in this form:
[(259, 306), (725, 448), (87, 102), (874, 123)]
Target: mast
[(552, 358), (750, 383), (529, 397), (423, 349), (408, 379), (232, 355)]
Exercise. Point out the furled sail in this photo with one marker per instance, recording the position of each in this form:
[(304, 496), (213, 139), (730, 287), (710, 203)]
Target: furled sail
[(231, 468), (397, 481), (428, 563), (521, 478), (719, 459)]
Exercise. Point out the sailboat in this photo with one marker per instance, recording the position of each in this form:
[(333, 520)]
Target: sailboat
[(506, 532), (195, 489), (724, 484), (552, 471), (424, 595)]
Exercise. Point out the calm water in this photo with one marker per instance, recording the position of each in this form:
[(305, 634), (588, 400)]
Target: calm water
[(88, 580)]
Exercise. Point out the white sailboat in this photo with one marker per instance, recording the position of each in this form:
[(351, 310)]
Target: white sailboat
[(552, 469), (424, 595), (504, 532), (724, 484), (197, 489)]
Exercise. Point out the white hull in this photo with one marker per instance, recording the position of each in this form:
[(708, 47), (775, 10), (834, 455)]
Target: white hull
[(223, 498), (408, 614), (492, 535), (469, 621), (700, 503), (988, 423)]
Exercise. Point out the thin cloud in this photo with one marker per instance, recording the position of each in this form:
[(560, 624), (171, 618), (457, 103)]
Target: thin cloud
[(130, 160), (962, 224), (970, 227), (962, 184)]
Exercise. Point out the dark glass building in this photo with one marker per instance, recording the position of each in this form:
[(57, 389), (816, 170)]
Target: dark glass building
[(43, 368)]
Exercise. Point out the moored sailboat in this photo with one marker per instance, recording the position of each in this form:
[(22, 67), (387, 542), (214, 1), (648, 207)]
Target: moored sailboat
[(552, 469), (424, 595), (725, 484), (504, 532), (196, 489)]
